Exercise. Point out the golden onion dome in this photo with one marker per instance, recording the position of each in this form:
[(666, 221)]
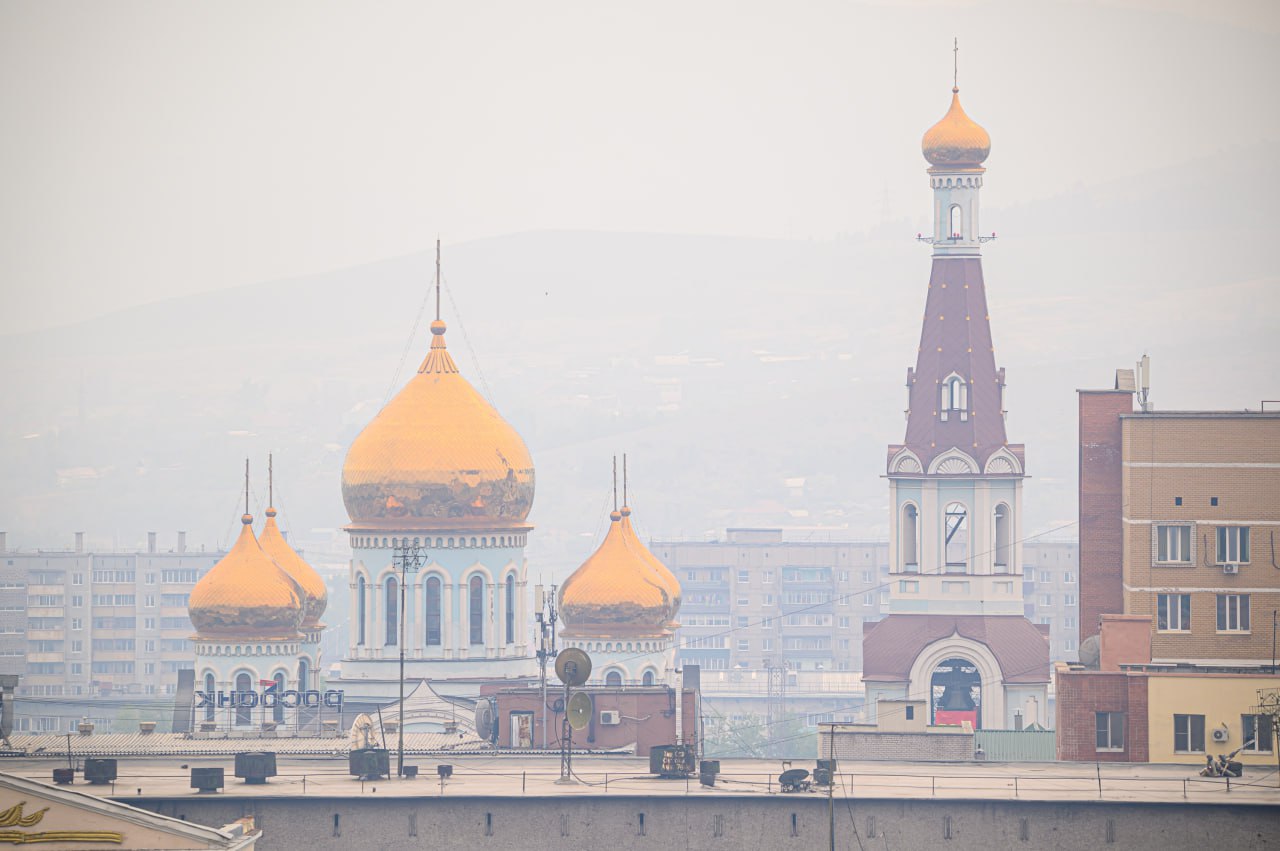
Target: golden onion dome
[(317, 596), (957, 141), (616, 591), (438, 456), (664, 573), (246, 594)]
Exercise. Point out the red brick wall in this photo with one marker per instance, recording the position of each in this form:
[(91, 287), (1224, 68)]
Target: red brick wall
[(1080, 694), (1101, 483), (648, 717)]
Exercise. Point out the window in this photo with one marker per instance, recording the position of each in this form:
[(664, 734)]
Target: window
[(475, 609), (361, 609), (957, 221), (1173, 613), (1173, 544), (844, 622), (911, 713), (744, 576), (391, 611), (866, 577), (1177, 500), (244, 714), (868, 599), (77, 624), (1233, 544), (910, 542), (77, 647), (277, 711), (1110, 731), (1045, 576), (1069, 599), (955, 395), (76, 601), (77, 579), (304, 675), (955, 587), (1046, 599), (1257, 733), (742, 622), (1213, 500), (149, 601), (956, 521), (1069, 578), (743, 601), (433, 611), (613, 679), (1233, 613), (510, 608), (768, 644), (767, 577), (1188, 733), (910, 586), (744, 644), (209, 688)]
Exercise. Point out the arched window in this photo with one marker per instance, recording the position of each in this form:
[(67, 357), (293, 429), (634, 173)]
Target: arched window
[(957, 222), (910, 539), (613, 678), (210, 686), (955, 394), (277, 711), (244, 685), (390, 607), (648, 678), (475, 609), (304, 675), (361, 609), (510, 608), (1002, 536), (433, 611), (956, 526)]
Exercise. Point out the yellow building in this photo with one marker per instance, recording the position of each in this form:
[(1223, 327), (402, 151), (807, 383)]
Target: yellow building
[(1192, 715)]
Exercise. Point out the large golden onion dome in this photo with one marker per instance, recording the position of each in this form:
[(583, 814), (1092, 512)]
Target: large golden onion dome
[(664, 573), (957, 141), (617, 591), (247, 595), (438, 456), (316, 595)]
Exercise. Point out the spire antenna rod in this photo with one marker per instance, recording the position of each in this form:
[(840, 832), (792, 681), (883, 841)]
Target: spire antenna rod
[(624, 478), (271, 480), (955, 64), (246, 486), (615, 483), (437, 279)]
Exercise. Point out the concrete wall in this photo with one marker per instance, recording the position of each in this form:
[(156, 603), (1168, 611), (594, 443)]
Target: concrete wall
[(711, 821), (869, 744)]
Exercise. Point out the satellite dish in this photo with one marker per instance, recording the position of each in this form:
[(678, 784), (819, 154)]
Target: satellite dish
[(486, 725), (573, 666), (1090, 653), (580, 707)]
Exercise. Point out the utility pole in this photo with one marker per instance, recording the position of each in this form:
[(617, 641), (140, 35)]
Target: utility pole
[(407, 557)]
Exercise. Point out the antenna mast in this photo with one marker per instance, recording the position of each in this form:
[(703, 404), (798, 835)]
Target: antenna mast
[(271, 480), (246, 486), (955, 64), (615, 483), (437, 279), (624, 478)]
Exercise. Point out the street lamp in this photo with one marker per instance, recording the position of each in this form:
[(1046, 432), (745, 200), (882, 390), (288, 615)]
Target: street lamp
[(407, 557)]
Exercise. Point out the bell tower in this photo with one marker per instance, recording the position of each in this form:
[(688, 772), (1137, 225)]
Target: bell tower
[(955, 482)]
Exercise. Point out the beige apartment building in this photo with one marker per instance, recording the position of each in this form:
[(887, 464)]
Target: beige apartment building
[(1201, 508)]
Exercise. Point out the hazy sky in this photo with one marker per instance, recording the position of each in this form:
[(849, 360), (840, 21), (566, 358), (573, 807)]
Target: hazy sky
[(157, 149)]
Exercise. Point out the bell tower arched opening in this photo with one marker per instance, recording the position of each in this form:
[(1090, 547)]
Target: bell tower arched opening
[(955, 693)]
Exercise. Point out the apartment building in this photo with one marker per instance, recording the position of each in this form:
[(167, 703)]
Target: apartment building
[(1051, 593), (1179, 581), (93, 632)]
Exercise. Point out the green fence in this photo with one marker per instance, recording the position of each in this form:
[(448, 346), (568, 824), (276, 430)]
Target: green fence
[(1016, 745)]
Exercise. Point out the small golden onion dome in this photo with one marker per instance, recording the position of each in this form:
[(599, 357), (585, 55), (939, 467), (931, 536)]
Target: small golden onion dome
[(957, 140), (616, 591), (664, 573), (438, 456), (246, 594), (317, 596)]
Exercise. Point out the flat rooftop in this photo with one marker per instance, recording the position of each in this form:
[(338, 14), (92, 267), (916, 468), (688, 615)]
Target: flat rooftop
[(503, 775)]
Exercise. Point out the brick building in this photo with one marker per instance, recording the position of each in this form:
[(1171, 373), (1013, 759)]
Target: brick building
[(1178, 582)]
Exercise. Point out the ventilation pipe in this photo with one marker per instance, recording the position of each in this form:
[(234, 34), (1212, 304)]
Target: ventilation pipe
[(182, 542), (79, 542), (151, 542)]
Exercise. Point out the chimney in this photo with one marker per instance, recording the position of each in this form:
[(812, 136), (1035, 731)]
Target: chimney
[(151, 542), (79, 542), (182, 542)]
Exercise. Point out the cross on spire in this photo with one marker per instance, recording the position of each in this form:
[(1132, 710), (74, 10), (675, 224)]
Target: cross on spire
[(955, 64), (246, 486), (437, 279)]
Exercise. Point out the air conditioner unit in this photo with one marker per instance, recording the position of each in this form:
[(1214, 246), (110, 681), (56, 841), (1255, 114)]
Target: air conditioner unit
[(1231, 568), (1221, 734), (610, 717)]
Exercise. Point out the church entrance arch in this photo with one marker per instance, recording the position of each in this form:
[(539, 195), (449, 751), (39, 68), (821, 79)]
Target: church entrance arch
[(961, 661)]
